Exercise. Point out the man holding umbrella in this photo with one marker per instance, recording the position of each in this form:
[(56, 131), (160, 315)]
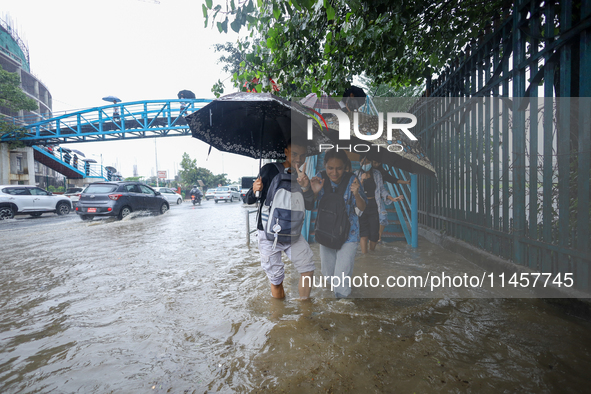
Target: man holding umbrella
[(298, 251)]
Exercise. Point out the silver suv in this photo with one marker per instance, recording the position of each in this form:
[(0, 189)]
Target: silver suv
[(30, 200)]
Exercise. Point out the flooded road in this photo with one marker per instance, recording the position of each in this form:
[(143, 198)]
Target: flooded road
[(178, 303)]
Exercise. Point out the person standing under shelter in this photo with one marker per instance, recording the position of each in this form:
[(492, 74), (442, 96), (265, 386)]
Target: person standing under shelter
[(298, 250), (386, 177), (369, 222)]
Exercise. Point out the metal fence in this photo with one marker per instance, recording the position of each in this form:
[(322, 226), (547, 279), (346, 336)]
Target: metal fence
[(508, 129)]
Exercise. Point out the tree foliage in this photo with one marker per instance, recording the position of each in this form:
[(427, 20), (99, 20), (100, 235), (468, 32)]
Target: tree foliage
[(319, 45), (190, 174), (14, 99)]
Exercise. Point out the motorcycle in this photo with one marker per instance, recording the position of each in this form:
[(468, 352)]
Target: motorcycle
[(195, 199)]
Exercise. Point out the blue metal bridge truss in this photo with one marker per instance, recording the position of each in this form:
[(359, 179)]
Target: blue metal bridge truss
[(123, 121), (138, 119)]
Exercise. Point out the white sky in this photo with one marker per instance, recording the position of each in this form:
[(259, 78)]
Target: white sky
[(84, 50)]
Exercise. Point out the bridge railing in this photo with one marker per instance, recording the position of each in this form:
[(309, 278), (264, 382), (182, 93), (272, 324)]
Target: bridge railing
[(91, 170), (110, 119)]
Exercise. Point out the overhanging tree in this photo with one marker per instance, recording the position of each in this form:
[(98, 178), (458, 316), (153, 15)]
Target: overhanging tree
[(14, 99), (319, 45)]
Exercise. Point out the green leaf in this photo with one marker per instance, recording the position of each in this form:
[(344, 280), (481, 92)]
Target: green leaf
[(236, 25), (232, 5), (259, 87), (276, 11), (209, 3), (330, 13), (249, 7), (223, 26), (271, 44)]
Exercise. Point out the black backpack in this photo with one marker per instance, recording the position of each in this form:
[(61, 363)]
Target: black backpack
[(332, 223)]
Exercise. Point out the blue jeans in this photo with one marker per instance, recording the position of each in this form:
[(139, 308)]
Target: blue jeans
[(339, 262)]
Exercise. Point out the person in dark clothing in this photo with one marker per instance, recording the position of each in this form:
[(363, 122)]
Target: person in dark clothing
[(377, 195), (386, 177), (66, 156), (297, 251)]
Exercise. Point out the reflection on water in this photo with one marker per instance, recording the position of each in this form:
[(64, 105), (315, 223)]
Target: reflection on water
[(177, 303)]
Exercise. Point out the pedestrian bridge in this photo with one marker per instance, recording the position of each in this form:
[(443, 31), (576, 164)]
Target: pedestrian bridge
[(137, 119), (123, 121)]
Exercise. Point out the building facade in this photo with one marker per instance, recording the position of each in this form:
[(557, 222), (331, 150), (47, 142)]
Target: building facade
[(17, 166)]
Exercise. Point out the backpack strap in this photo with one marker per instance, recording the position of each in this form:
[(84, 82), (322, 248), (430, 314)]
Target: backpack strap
[(280, 168)]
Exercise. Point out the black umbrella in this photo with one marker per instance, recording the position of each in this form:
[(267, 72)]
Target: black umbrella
[(185, 94), (78, 152), (256, 125), (401, 152), (354, 97), (89, 160)]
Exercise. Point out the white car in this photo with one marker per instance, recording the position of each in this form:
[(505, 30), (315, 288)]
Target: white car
[(210, 193), (31, 200), (171, 196), (74, 193), (227, 193)]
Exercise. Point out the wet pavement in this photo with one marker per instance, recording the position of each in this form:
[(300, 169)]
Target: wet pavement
[(178, 303)]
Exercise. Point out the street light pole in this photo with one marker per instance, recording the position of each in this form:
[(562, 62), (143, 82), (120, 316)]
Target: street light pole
[(156, 153)]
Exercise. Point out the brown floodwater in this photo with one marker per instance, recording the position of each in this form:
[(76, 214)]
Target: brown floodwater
[(179, 304)]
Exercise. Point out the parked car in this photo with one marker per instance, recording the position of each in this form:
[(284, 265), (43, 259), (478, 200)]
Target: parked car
[(210, 194), (119, 199), (31, 200), (73, 194), (243, 194), (171, 196), (227, 193)]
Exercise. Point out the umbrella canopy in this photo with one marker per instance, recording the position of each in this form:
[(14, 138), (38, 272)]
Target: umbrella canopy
[(65, 149), (89, 160), (112, 99), (256, 125), (112, 169), (78, 152), (355, 97), (408, 156), (323, 102), (185, 94)]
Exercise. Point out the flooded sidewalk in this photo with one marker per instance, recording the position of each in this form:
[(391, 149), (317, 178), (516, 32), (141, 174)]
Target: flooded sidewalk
[(178, 303)]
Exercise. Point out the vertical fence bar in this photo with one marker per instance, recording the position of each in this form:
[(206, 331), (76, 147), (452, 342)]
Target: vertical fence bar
[(533, 135), (548, 119), (518, 134), (505, 165), (563, 136), (414, 210), (583, 241), (487, 160)]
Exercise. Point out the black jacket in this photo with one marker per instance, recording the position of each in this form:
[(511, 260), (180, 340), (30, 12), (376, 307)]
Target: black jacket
[(268, 172), (386, 176)]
